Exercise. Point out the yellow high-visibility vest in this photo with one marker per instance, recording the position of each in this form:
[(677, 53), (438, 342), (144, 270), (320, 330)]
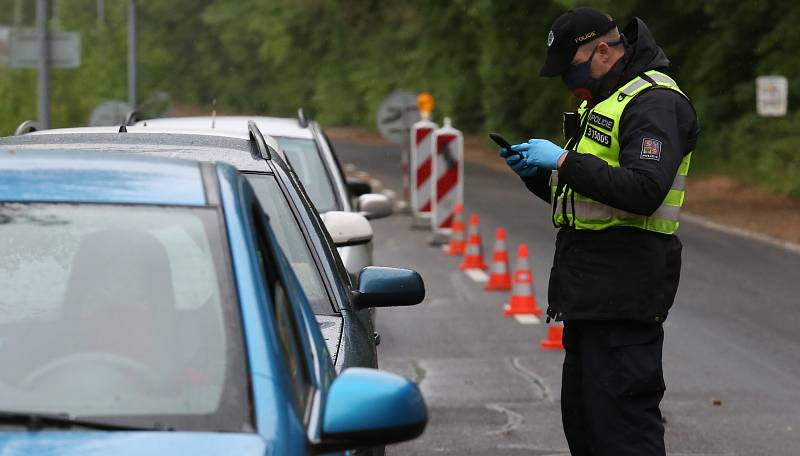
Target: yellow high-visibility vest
[(599, 136)]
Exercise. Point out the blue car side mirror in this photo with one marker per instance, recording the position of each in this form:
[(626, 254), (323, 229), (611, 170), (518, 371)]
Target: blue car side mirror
[(368, 407), (388, 287)]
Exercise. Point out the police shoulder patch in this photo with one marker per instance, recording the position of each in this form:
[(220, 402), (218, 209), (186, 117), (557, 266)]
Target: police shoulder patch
[(598, 136), (651, 149)]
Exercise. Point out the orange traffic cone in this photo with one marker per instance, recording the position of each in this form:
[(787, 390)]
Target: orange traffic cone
[(554, 335), (473, 255), (457, 244), (523, 301), (499, 277)]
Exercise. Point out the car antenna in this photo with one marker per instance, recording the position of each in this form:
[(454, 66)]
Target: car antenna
[(301, 118), (213, 113)]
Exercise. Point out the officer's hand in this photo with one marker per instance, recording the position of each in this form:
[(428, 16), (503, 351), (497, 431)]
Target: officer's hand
[(540, 153), (517, 163)]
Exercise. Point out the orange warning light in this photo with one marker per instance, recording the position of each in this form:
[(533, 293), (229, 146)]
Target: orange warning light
[(425, 104)]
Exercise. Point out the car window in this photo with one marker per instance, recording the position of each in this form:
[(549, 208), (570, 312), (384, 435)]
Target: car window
[(306, 160), (124, 312), (287, 326), (339, 168), (290, 237)]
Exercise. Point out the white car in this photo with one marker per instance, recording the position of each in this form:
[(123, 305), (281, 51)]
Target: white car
[(311, 155)]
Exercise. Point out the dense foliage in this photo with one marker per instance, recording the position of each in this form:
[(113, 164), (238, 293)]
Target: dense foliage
[(480, 58)]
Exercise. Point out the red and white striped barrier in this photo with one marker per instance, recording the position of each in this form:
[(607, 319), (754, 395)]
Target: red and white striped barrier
[(422, 171), (448, 188)]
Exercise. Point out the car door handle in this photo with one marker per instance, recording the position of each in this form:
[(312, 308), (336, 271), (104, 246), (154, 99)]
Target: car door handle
[(377, 337)]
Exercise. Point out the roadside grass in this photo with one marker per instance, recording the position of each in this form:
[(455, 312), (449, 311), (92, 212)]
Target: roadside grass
[(764, 152)]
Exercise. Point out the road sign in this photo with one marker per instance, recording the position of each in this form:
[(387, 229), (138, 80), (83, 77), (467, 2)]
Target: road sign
[(109, 113), (65, 49), (772, 94), (396, 114)]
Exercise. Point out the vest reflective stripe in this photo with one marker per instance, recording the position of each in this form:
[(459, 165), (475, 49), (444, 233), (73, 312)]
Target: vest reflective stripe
[(593, 215), (639, 83), (678, 184), (592, 210)]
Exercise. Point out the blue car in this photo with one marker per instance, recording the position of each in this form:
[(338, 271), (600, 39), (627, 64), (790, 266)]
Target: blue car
[(302, 234), (145, 308)]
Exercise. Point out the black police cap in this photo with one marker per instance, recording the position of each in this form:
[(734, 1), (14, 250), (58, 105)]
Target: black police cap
[(572, 29)]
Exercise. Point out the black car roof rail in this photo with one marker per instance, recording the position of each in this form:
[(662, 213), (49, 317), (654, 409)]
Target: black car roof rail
[(258, 139), (210, 183), (132, 117), (27, 127), (301, 118)]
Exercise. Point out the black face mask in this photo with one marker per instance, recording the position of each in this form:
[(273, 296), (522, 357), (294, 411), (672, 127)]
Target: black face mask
[(578, 78)]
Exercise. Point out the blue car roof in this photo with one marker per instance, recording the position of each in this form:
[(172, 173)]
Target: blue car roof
[(98, 177)]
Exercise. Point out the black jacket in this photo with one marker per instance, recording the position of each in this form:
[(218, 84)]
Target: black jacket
[(624, 273)]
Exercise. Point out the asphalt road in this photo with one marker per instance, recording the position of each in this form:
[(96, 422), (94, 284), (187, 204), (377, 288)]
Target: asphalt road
[(733, 337)]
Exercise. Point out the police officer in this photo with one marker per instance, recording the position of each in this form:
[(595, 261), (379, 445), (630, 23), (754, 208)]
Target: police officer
[(616, 191)]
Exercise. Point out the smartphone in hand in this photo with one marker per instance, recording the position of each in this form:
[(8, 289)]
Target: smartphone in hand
[(500, 141)]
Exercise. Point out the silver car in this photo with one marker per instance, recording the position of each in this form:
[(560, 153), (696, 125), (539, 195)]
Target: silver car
[(312, 157)]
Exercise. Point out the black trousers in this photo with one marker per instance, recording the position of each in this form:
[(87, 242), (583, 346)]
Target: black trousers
[(611, 388)]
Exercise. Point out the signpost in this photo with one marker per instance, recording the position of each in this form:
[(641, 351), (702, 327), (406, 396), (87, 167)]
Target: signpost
[(772, 95), (132, 96), (43, 53), (396, 114), (41, 49)]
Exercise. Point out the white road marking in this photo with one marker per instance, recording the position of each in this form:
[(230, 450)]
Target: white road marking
[(741, 232), (513, 419), (477, 275), (528, 319)]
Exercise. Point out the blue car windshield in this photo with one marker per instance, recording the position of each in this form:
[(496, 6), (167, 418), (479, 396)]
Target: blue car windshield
[(121, 313), (307, 162)]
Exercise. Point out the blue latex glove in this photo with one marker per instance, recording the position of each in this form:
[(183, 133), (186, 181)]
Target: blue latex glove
[(540, 153), (520, 166)]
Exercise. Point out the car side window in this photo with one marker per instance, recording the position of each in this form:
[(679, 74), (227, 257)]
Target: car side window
[(335, 157), (287, 326), (290, 237)]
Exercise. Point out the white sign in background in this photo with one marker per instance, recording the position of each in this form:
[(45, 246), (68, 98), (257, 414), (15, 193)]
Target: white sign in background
[(396, 114), (772, 96), (65, 49)]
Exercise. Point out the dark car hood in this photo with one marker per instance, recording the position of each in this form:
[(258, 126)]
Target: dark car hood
[(131, 443)]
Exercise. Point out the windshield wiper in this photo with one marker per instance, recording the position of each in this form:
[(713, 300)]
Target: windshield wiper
[(39, 421)]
